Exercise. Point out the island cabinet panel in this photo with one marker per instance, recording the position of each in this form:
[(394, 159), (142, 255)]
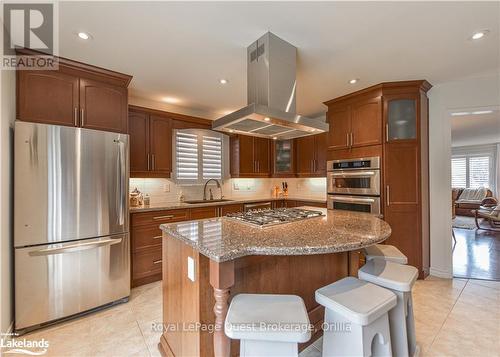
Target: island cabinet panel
[(76, 94), (185, 300)]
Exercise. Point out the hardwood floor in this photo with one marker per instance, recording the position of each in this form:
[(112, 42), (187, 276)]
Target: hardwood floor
[(476, 254)]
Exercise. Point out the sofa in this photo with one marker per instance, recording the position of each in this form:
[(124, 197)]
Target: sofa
[(467, 200)]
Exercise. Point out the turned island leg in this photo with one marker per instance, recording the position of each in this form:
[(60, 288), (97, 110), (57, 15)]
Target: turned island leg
[(221, 279)]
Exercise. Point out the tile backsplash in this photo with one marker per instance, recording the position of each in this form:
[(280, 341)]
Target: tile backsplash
[(166, 190)]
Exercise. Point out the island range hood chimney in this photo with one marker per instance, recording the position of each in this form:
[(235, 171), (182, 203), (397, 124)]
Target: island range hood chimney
[(271, 87)]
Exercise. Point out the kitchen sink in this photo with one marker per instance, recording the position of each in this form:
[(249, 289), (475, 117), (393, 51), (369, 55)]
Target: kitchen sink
[(206, 201)]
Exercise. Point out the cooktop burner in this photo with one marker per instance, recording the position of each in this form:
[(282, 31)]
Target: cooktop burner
[(271, 217)]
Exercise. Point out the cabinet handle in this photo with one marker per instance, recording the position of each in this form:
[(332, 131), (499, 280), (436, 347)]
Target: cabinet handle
[(163, 217), (352, 139), (157, 261), (76, 116), (153, 161), (82, 117), (149, 160), (347, 139), (386, 133), (156, 237), (387, 195)]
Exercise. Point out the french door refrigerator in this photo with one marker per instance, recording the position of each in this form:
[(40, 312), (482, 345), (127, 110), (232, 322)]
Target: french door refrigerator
[(71, 225)]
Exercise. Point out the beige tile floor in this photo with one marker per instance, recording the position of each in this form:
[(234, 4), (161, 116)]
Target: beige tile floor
[(453, 318)]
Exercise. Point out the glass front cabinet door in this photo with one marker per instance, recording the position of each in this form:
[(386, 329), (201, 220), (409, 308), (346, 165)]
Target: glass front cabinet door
[(283, 157), (401, 118)]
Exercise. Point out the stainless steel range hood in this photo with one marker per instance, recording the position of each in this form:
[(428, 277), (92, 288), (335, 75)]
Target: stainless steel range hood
[(271, 86)]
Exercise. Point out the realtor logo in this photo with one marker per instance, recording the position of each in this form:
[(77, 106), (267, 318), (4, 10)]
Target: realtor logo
[(29, 26)]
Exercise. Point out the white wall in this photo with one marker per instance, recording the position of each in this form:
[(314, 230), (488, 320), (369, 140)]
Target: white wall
[(467, 93), (7, 117)]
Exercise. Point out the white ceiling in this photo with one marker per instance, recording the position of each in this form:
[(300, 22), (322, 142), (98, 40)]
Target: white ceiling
[(467, 130), (182, 49)]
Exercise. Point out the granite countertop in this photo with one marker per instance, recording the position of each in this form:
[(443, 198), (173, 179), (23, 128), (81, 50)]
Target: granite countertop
[(223, 239), (180, 205)]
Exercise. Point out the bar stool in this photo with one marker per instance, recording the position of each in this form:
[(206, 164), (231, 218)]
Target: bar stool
[(356, 319), (385, 252), (399, 279), (268, 325)]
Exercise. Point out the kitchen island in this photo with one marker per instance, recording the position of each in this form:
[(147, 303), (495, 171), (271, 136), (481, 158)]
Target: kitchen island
[(207, 261)]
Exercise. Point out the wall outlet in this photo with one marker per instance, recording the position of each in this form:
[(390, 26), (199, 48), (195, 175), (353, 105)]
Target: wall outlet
[(166, 187), (191, 269)]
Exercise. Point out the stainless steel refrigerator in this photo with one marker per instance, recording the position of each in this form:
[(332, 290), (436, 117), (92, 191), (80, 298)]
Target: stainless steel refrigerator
[(71, 225)]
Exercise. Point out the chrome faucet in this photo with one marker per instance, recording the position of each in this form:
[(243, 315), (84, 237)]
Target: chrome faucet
[(211, 195)]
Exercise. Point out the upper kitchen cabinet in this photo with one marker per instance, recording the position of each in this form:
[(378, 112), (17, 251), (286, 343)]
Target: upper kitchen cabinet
[(48, 97), (151, 134), (311, 155), (355, 121), (103, 106), (250, 156), (283, 158), (76, 95)]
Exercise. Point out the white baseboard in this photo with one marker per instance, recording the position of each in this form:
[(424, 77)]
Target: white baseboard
[(438, 273)]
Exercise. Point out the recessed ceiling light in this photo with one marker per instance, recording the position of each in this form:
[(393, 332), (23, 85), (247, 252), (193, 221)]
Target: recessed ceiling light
[(170, 100), (231, 130), (267, 118), (274, 138), (457, 114), (223, 81), (482, 112), (479, 34), (354, 81), (84, 35)]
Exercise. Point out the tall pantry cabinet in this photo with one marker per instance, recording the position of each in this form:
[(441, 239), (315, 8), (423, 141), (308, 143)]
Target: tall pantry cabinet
[(393, 120)]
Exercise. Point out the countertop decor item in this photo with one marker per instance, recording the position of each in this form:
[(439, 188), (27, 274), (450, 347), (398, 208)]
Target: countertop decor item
[(136, 198)]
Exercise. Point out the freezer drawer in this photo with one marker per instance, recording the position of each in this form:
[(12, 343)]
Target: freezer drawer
[(58, 280)]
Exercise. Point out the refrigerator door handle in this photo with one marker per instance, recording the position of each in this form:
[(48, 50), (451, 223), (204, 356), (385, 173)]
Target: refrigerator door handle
[(75, 247), (121, 174)]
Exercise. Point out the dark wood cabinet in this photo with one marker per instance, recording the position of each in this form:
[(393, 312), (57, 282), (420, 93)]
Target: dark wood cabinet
[(76, 95), (391, 120), (103, 106), (249, 156), (355, 122), (311, 155), (49, 97), (151, 139)]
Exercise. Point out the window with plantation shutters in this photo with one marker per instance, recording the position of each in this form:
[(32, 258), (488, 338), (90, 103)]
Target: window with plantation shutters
[(472, 167), (199, 155)]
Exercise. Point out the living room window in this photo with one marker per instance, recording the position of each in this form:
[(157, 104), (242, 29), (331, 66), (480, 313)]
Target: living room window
[(472, 170)]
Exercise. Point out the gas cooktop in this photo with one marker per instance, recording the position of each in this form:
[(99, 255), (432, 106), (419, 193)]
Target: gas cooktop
[(271, 217)]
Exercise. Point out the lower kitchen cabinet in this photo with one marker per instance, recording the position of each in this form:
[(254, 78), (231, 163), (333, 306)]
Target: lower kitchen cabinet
[(146, 235)]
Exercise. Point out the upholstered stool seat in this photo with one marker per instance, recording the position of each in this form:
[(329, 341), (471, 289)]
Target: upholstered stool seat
[(385, 252), (356, 319), (399, 279), (268, 325)]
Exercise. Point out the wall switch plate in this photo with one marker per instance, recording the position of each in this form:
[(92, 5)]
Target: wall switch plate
[(191, 269), (166, 187)]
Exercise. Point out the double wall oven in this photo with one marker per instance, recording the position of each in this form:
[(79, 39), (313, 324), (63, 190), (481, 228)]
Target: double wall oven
[(354, 184)]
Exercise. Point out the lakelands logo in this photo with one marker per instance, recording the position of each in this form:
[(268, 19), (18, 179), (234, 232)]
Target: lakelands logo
[(29, 26), (10, 344)]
